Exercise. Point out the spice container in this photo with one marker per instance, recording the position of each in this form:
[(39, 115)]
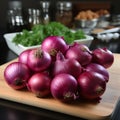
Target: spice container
[(45, 11), (34, 17), (64, 13), (15, 20)]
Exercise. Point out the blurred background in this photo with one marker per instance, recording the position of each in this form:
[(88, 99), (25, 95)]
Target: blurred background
[(35, 6)]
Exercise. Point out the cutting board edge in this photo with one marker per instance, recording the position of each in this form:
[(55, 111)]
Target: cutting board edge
[(89, 116)]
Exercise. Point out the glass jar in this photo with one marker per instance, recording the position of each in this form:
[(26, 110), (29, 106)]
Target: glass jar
[(64, 13), (34, 17), (15, 20), (10, 21), (45, 11)]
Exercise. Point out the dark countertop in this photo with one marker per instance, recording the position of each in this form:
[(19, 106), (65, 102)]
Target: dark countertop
[(15, 111)]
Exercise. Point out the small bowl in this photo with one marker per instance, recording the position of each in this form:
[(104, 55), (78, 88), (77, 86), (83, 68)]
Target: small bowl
[(103, 21), (90, 24)]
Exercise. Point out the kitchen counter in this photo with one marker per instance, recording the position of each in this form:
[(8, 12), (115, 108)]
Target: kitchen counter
[(16, 111)]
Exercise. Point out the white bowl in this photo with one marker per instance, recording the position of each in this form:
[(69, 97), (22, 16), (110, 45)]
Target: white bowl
[(20, 48), (16, 48), (86, 41)]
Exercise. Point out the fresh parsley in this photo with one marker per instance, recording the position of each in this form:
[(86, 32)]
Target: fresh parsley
[(40, 32)]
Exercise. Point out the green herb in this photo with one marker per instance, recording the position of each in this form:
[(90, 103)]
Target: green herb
[(40, 32)]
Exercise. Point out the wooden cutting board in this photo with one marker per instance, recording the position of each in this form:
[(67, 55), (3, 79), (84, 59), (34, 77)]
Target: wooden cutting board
[(82, 109)]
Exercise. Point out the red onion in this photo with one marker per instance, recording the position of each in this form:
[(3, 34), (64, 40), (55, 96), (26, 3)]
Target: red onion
[(103, 56), (38, 60), (79, 52), (64, 87), (53, 44), (39, 84), (91, 84), (70, 66), (23, 56), (98, 68), (16, 75)]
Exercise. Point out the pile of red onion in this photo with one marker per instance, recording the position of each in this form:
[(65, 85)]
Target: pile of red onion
[(65, 72)]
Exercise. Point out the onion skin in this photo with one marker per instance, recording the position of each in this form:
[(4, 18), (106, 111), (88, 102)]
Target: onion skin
[(64, 87), (53, 44), (16, 75), (23, 57), (38, 60), (39, 84), (79, 52), (98, 68), (92, 85), (103, 56), (70, 66)]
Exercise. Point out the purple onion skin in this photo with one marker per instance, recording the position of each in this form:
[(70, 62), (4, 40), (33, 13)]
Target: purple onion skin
[(23, 57), (64, 87), (98, 68), (39, 84), (53, 44), (103, 56), (16, 75), (63, 65), (79, 52), (39, 60), (92, 85)]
